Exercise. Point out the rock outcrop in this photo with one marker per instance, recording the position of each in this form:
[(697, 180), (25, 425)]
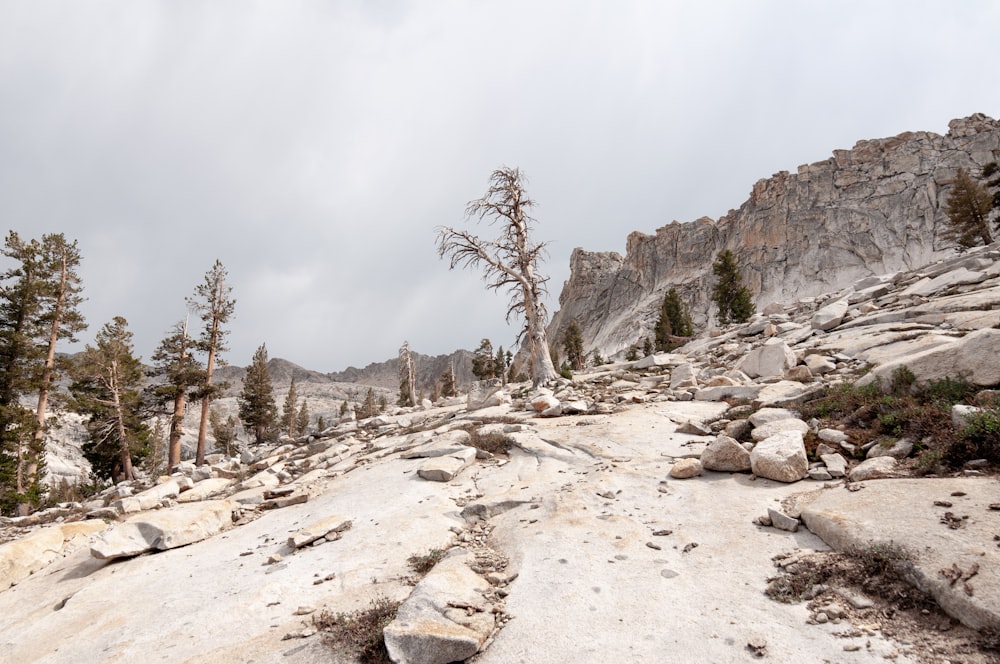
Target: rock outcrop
[(875, 209)]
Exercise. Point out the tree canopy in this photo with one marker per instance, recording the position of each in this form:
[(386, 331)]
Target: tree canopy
[(734, 300)]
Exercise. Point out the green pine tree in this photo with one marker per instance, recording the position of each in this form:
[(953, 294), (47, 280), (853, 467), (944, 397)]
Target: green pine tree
[(223, 431), (107, 388), (573, 346), (181, 373), (288, 412), (734, 300), (969, 205), (302, 419), (484, 362), (257, 409), (675, 320)]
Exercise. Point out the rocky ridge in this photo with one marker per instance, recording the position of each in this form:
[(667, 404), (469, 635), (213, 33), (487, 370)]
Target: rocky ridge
[(646, 500), (873, 209)]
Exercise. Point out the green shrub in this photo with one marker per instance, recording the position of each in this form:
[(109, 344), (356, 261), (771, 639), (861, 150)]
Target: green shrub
[(422, 564), (979, 439), (902, 381)]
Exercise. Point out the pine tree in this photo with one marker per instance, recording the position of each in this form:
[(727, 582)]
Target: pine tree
[(573, 346), (369, 408), (223, 431), (969, 205), (213, 302), (675, 320), (287, 422), (174, 362), (483, 361), (302, 419), (39, 300), (734, 300), (407, 378), (107, 387), (257, 409), (447, 381), (344, 408)]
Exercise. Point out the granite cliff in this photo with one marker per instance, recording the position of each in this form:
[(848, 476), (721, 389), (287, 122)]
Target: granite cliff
[(875, 209)]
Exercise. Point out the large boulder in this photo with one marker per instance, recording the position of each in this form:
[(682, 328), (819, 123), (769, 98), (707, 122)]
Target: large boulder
[(165, 529), (726, 455), (486, 394), (447, 468), (771, 428), (830, 316), (781, 457), (772, 358), (21, 558), (445, 619)]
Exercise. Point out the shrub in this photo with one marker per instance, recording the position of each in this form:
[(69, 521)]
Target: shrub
[(493, 442), (422, 564), (980, 439), (360, 632)]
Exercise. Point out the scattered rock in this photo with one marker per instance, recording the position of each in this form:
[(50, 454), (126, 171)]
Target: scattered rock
[(686, 468)]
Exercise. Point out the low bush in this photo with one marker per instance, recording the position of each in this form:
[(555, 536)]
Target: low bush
[(979, 439), (359, 632)]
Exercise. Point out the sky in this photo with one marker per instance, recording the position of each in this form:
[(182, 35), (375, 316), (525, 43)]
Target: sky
[(314, 147)]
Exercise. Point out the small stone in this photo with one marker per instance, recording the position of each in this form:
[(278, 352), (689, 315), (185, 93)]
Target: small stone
[(686, 468), (304, 610), (655, 546), (782, 521)]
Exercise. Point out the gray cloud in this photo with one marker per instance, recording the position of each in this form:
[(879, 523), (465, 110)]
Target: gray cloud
[(314, 146)]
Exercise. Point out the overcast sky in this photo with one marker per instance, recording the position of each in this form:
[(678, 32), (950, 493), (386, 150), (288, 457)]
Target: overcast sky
[(313, 147)]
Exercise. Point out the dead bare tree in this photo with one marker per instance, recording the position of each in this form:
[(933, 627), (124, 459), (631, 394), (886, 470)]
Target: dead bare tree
[(510, 261)]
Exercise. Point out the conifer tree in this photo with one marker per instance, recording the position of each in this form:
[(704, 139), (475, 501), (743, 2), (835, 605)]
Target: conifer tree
[(288, 413), (39, 300), (483, 361), (174, 362), (369, 408), (447, 382), (213, 302), (510, 262), (675, 320), (734, 300), (969, 205), (573, 346), (302, 419), (223, 431), (107, 387), (257, 409)]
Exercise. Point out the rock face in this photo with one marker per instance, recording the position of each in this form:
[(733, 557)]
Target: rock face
[(871, 210)]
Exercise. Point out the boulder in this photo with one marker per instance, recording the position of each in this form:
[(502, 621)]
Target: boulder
[(832, 435), (21, 558), (899, 449), (829, 316), (329, 527), (961, 414), (543, 402), (446, 468), (204, 489), (836, 464), (164, 529), (772, 358), (771, 428), (819, 364), (683, 375), (685, 468), (871, 469), (767, 415), (725, 454), (445, 619), (486, 394), (781, 457)]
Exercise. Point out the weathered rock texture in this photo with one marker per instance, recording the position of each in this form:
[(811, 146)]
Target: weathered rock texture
[(874, 209)]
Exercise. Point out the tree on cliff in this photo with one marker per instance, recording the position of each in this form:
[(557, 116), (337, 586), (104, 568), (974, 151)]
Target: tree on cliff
[(969, 205), (257, 409), (212, 301), (510, 261), (675, 320), (734, 300), (107, 388)]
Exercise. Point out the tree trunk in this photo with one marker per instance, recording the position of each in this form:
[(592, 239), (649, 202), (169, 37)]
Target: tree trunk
[(176, 422), (542, 369), (126, 456), (43, 393), (206, 400)]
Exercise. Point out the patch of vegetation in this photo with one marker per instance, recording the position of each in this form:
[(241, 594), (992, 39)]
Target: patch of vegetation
[(979, 439), (921, 413), (359, 632), (493, 442), (421, 564)]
